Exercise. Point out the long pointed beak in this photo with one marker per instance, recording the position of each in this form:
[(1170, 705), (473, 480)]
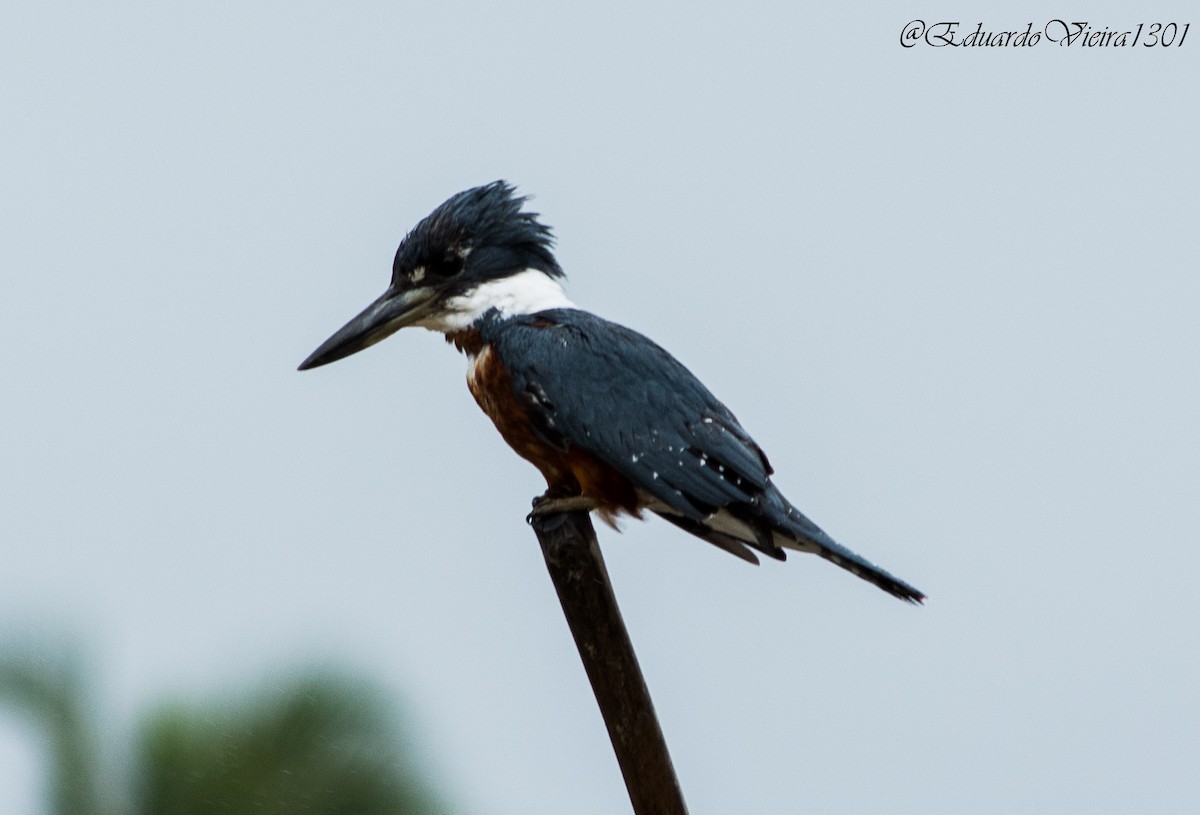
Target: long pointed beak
[(387, 315)]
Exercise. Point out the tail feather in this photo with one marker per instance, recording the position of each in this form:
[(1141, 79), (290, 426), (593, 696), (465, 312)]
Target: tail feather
[(861, 567), (795, 531), (771, 526)]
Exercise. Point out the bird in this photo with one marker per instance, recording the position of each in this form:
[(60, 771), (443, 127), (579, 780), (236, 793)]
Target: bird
[(614, 423)]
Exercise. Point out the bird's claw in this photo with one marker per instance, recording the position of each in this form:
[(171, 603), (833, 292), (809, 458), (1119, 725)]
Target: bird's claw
[(545, 505)]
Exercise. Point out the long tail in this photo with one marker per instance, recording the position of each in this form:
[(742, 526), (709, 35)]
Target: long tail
[(772, 526), (794, 531)]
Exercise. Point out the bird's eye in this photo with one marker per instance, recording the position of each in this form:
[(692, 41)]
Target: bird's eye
[(446, 266)]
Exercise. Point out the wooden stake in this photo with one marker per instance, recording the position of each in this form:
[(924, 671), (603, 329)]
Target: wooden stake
[(573, 558)]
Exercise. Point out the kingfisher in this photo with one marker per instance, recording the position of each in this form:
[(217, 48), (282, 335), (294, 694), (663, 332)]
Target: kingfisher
[(615, 424)]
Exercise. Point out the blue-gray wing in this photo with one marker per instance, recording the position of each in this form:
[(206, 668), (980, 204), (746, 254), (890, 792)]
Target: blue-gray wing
[(612, 392)]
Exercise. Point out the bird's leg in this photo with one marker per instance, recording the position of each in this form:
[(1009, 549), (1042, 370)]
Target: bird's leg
[(550, 504)]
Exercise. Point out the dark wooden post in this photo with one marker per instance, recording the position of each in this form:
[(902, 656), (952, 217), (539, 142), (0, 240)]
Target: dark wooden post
[(573, 558)]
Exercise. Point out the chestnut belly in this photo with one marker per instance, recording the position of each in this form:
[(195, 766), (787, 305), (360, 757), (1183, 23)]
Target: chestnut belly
[(568, 470)]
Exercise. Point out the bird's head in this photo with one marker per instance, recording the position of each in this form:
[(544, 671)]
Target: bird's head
[(475, 254)]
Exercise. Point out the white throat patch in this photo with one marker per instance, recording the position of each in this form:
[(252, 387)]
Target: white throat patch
[(525, 293)]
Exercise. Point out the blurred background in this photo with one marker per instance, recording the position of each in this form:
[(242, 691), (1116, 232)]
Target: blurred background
[(952, 292)]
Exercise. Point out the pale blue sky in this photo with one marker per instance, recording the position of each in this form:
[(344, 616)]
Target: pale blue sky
[(953, 293)]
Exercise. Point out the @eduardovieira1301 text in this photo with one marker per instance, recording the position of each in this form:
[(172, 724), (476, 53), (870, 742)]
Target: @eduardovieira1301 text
[(1055, 32)]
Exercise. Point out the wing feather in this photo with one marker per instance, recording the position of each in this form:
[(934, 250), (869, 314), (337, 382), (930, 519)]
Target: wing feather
[(617, 395)]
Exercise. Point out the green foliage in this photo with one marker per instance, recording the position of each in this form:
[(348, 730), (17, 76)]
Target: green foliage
[(50, 689), (323, 745)]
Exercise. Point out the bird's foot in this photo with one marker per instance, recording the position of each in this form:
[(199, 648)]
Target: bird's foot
[(548, 504)]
